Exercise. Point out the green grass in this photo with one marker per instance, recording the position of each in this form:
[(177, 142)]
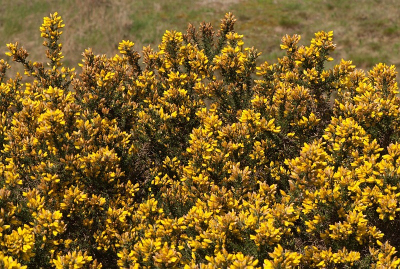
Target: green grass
[(366, 31), (26, 13)]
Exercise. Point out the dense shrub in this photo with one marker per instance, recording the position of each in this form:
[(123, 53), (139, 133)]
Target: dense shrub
[(198, 158)]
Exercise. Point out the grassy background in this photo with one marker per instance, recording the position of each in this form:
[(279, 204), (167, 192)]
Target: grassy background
[(365, 31)]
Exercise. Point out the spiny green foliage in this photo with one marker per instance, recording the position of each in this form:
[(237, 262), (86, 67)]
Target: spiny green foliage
[(125, 166)]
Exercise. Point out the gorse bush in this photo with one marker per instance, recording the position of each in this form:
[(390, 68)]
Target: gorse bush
[(195, 157)]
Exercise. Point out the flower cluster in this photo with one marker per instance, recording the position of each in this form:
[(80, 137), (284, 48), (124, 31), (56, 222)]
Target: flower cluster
[(198, 158)]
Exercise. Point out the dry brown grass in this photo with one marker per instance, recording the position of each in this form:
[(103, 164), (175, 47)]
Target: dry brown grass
[(366, 31)]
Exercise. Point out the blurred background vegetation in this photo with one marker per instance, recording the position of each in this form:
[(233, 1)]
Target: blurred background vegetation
[(365, 31)]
